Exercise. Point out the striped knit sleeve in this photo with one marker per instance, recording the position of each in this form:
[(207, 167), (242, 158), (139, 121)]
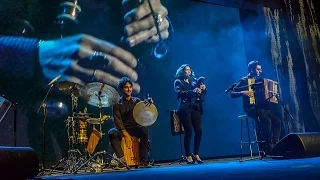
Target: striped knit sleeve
[(18, 57)]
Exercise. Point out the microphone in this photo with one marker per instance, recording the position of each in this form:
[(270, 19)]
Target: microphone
[(230, 88), (54, 80)]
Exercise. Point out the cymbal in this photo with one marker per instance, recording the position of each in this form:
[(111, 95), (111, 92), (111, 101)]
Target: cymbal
[(108, 95), (145, 115), (94, 121), (97, 120), (83, 116), (69, 87)]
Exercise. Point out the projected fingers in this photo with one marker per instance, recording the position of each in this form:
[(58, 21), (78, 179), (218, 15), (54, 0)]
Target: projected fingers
[(143, 10), (98, 60), (146, 23), (149, 35)]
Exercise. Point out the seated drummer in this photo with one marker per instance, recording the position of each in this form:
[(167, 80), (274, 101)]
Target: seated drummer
[(126, 126)]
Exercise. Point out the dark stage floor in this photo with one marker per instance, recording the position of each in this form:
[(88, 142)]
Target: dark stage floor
[(306, 169)]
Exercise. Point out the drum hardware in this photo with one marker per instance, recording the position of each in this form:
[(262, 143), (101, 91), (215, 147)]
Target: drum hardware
[(96, 121), (95, 135), (68, 17), (99, 95), (69, 87), (74, 157)]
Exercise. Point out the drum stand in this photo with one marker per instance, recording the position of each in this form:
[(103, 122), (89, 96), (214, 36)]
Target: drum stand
[(74, 157), (100, 153)]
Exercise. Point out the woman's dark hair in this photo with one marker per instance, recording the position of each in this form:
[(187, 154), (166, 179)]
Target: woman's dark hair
[(180, 71)]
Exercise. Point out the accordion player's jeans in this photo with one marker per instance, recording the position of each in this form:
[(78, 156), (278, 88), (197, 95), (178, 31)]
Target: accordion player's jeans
[(270, 125)]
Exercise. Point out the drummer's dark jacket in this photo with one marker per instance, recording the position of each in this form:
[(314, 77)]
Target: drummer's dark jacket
[(187, 99), (123, 113)]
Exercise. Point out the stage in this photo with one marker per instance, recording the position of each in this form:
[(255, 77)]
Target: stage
[(231, 168)]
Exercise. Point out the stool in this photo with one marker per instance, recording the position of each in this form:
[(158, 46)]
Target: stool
[(247, 118), (131, 155)]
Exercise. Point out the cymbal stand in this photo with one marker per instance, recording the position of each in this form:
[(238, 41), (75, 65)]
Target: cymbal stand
[(44, 107), (100, 153)]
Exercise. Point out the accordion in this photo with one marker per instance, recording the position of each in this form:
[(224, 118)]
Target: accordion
[(267, 91)]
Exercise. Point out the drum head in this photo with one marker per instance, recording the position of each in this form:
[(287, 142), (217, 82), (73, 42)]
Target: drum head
[(145, 115)]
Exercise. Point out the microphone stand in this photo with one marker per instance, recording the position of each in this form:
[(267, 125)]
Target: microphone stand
[(44, 106), (182, 158), (286, 112)]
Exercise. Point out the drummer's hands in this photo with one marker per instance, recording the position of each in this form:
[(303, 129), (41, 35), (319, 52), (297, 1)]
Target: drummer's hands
[(148, 101), (140, 25), (72, 57)]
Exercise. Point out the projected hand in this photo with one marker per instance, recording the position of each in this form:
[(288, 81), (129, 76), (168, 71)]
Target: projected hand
[(140, 25), (83, 58)]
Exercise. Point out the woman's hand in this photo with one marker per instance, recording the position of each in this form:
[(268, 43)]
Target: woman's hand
[(197, 90), (202, 87)]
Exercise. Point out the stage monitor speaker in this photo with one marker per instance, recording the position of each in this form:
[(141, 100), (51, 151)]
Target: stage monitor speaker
[(298, 145), (18, 162)]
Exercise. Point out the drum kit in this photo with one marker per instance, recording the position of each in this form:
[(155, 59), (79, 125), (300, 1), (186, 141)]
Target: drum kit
[(81, 148)]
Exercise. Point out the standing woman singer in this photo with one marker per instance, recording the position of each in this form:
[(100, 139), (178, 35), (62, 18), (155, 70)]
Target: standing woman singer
[(190, 93)]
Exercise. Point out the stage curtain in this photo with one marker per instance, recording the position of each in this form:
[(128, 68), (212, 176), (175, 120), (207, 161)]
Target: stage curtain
[(293, 36)]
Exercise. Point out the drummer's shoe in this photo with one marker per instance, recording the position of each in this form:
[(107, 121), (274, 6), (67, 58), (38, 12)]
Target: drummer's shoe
[(144, 164), (120, 166)]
